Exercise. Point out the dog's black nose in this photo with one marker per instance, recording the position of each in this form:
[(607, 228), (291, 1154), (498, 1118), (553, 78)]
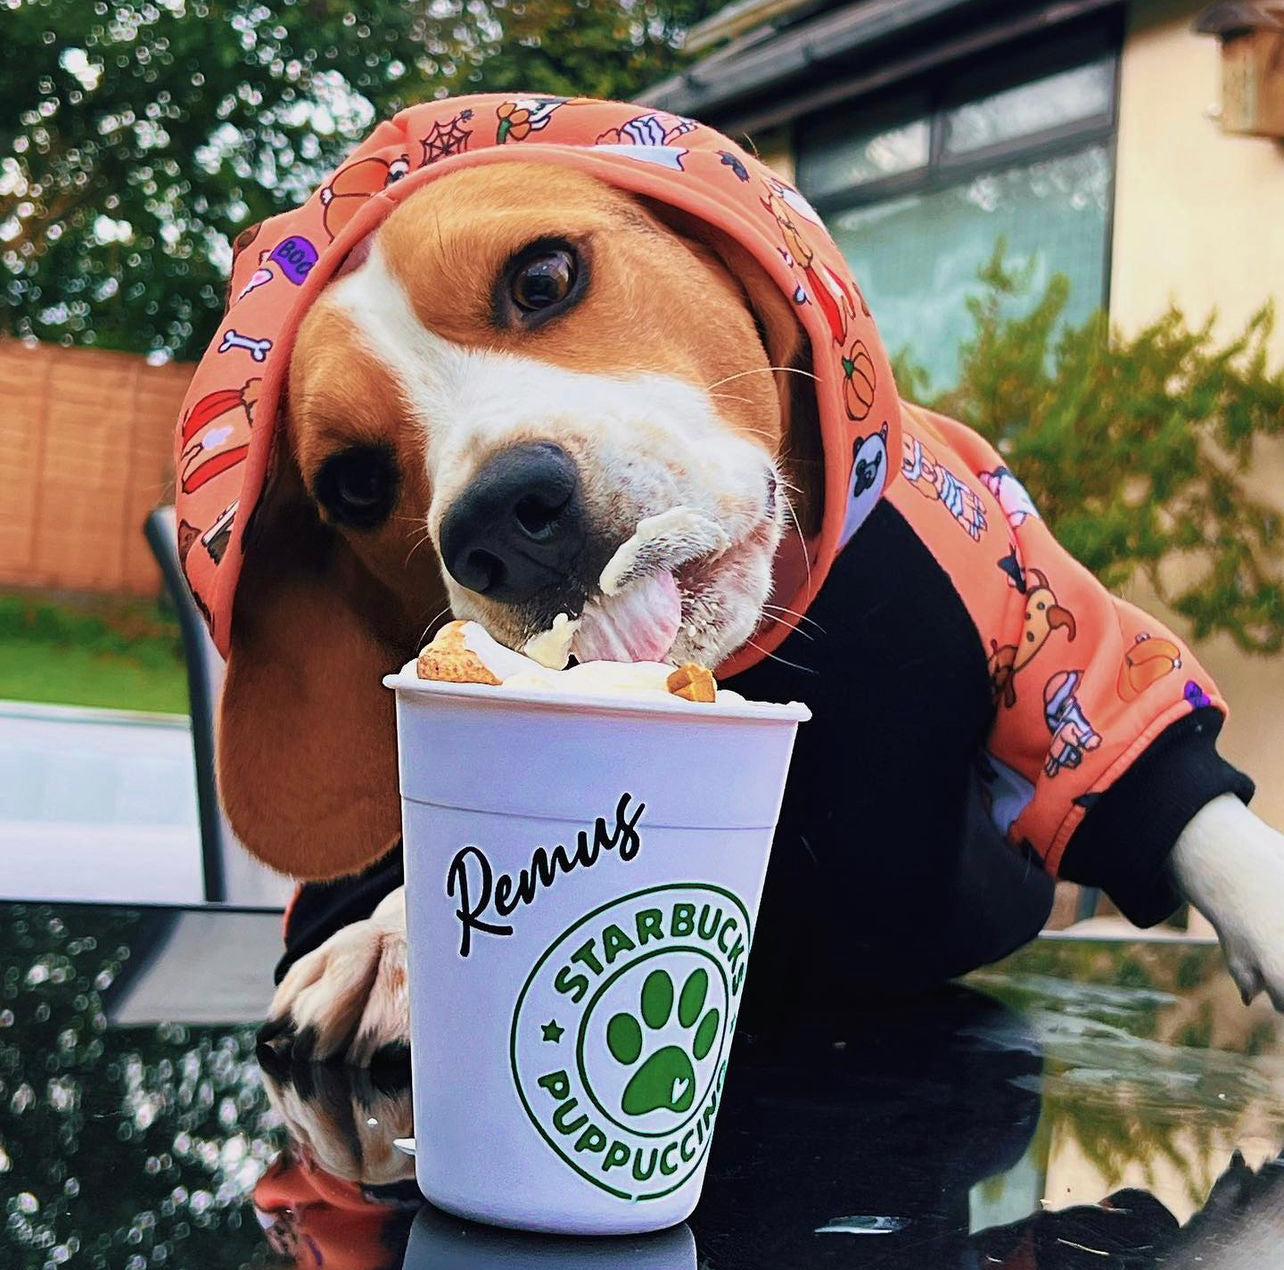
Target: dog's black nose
[(519, 527)]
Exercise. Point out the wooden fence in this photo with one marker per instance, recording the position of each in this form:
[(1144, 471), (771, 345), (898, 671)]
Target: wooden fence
[(85, 453)]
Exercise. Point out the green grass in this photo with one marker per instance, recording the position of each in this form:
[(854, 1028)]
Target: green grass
[(33, 671), (112, 654)]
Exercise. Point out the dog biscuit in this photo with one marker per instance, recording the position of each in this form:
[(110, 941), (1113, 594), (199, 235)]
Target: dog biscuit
[(450, 639), (448, 659), (463, 667), (693, 682)]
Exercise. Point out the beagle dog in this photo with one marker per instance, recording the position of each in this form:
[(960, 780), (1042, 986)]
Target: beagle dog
[(514, 364)]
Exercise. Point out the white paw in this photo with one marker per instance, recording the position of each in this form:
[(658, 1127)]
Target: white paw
[(348, 998), (1231, 868), (1255, 968)]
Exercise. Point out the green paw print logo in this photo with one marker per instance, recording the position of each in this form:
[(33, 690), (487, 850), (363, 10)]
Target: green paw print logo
[(621, 1033), (666, 1078)]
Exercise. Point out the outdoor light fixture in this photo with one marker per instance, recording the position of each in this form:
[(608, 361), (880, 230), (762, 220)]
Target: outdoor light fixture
[(1252, 36)]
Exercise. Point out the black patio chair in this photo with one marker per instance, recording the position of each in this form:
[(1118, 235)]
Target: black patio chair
[(231, 876)]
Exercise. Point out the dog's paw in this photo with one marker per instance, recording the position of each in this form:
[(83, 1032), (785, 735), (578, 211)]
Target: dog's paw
[(347, 999), (1231, 868), (1254, 972), (1256, 963)]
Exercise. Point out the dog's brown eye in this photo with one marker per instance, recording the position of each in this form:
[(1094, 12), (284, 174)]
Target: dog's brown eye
[(543, 280), (539, 283), (358, 486)]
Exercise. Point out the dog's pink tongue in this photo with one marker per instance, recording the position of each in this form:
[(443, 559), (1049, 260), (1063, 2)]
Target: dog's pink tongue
[(638, 624)]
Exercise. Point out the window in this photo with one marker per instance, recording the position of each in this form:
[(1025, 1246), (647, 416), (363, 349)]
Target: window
[(918, 197)]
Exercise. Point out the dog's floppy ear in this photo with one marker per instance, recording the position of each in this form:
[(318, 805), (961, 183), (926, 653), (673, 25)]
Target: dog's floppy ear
[(788, 350), (307, 762)]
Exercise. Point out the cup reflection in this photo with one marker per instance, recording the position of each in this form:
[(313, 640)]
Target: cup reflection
[(441, 1242)]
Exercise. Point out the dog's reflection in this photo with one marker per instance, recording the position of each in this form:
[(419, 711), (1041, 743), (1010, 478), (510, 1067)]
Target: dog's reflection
[(345, 1119), (339, 1194)]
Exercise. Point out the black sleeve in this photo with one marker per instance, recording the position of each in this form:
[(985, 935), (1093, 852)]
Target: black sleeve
[(1123, 843), (323, 908)]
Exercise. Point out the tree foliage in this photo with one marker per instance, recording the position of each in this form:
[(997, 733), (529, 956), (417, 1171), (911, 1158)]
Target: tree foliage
[(1136, 449), (138, 138)]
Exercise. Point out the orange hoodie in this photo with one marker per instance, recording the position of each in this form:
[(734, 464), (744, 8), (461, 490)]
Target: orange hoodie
[(1082, 683)]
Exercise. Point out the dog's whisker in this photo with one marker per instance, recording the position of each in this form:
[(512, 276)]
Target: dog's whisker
[(432, 621), (781, 467), (427, 537), (763, 370), (726, 396), (782, 464), (780, 621), (793, 665), (802, 617), (793, 516)]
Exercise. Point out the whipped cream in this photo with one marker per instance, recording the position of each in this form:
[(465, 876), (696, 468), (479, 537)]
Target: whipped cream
[(551, 648), (591, 678)]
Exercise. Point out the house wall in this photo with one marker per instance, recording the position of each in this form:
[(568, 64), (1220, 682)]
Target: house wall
[(1197, 220), (1197, 210)]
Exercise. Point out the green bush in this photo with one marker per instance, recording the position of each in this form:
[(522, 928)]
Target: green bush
[(1135, 448), (138, 631)]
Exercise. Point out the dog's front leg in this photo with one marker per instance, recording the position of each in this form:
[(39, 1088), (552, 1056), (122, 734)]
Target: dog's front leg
[(348, 998), (1230, 866)]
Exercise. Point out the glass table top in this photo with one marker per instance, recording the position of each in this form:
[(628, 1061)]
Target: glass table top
[(1083, 1103)]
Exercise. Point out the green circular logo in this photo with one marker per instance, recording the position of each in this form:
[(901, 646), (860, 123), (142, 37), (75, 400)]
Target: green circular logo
[(620, 1035)]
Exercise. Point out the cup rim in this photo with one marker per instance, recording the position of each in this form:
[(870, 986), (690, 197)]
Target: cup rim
[(407, 683)]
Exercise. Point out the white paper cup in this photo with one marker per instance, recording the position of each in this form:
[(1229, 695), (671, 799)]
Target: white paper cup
[(582, 880)]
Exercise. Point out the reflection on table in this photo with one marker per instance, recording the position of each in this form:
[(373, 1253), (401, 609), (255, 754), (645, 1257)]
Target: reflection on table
[(1081, 1104)]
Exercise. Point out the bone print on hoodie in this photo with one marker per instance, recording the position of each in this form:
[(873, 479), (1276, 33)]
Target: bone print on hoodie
[(1081, 683)]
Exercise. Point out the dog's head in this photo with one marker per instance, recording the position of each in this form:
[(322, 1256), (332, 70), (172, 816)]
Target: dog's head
[(515, 369)]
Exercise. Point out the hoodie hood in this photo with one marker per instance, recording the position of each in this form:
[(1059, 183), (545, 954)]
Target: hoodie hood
[(230, 419)]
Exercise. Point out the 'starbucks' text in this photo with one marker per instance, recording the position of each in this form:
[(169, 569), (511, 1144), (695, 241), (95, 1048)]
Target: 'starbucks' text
[(655, 926)]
